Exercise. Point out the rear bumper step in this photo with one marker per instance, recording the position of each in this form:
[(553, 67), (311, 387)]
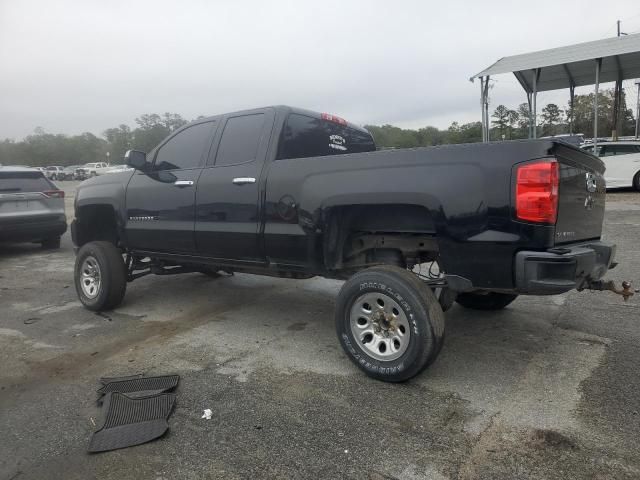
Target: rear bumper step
[(559, 270)]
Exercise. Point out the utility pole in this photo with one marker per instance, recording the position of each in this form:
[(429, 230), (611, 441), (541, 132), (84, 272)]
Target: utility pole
[(618, 27)]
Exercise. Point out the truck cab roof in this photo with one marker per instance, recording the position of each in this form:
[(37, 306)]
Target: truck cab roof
[(286, 109)]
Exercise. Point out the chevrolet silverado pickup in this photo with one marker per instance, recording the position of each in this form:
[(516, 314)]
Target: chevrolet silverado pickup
[(292, 193)]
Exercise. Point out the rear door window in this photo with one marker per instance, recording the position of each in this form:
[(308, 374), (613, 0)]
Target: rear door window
[(305, 136), (21, 182), (240, 139)]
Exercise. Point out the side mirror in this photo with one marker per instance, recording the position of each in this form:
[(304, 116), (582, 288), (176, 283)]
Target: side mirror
[(136, 159)]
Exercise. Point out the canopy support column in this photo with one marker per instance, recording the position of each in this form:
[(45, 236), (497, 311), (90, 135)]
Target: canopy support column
[(638, 112), (530, 115), (572, 96), (484, 105), (534, 94), (617, 102), (595, 106)]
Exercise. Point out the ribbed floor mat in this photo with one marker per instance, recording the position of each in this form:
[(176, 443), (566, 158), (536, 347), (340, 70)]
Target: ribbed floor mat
[(140, 386), (132, 421)]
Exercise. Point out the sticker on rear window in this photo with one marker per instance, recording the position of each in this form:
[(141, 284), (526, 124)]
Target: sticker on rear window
[(337, 142)]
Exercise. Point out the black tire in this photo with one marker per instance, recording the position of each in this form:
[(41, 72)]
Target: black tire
[(112, 274), (636, 182), (419, 307), (488, 301), (51, 243)]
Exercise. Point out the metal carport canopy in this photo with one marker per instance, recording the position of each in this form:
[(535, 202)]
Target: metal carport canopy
[(564, 67), (607, 60)]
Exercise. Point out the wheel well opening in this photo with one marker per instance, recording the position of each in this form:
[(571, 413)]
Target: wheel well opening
[(96, 222), (360, 236)]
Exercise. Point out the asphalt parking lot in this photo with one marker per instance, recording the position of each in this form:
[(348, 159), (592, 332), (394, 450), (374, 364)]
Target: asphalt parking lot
[(547, 388)]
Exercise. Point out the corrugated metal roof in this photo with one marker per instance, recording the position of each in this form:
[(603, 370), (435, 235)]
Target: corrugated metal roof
[(560, 67)]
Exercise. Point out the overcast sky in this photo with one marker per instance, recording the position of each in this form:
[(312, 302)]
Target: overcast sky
[(83, 65)]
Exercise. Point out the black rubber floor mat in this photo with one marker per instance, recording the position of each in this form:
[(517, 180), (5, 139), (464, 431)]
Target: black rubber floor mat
[(140, 386), (132, 421), (105, 380)]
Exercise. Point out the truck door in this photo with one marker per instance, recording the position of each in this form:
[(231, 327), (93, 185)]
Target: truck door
[(160, 204), (228, 194)]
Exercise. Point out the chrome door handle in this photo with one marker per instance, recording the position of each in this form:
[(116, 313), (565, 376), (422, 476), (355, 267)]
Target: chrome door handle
[(243, 180), (183, 183)]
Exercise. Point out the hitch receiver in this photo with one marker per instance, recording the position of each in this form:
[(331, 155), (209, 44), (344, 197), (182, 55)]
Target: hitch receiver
[(626, 291)]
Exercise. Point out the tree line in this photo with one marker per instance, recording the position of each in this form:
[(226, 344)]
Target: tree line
[(42, 148), (510, 124)]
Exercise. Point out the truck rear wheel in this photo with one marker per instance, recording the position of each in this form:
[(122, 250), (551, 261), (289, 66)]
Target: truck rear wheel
[(636, 182), (100, 276), (486, 301), (389, 323)]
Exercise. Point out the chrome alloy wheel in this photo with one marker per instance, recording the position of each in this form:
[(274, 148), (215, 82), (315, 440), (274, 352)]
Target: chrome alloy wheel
[(379, 326), (90, 281)]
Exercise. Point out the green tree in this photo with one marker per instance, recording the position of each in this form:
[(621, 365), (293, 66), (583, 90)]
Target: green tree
[(120, 140), (430, 136), (583, 114), (552, 116), (512, 120), (153, 128), (523, 120), (502, 119), (466, 133)]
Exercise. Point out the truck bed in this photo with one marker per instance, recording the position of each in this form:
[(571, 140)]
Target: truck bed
[(466, 192)]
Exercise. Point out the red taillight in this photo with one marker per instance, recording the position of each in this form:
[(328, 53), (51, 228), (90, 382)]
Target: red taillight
[(333, 118), (54, 193), (537, 192)]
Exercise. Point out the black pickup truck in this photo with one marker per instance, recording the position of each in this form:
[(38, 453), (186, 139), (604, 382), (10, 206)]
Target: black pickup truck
[(292, 193)]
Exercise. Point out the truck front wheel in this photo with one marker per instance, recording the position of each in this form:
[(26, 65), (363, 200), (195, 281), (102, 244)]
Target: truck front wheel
[(389, 323), (486, 301), (100, 276)]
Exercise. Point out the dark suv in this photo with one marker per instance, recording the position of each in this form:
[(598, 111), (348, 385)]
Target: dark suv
[(31, 207)]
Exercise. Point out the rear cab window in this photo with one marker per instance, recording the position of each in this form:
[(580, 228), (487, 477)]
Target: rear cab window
[(23, 182), (307, 136)]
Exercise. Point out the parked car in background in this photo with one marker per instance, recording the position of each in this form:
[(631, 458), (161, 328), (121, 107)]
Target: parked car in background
[(53, 172), (31, 207), (622, 160), (92, 169), (117, 169), (68, 173)]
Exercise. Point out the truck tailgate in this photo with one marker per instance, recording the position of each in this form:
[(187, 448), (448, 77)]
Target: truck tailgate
[(581, 195)]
